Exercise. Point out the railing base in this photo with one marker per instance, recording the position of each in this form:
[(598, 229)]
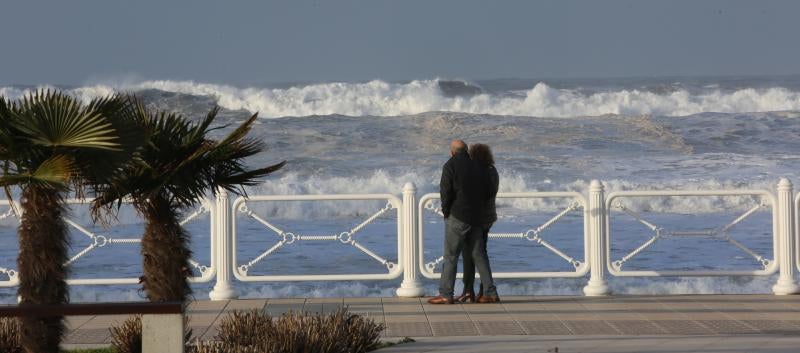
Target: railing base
[(224, 293), (786, 288), (413, 290), (596, 289)]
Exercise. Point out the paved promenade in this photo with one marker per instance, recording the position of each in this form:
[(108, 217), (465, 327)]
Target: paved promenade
[(528, 321)]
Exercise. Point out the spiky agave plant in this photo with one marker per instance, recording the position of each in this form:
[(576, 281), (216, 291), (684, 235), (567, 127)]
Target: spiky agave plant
[(51, 145), (178, 165)]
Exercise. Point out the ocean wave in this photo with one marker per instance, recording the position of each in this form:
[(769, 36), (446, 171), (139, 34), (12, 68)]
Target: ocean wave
[(549, 286), (380, 98), (381, 182), (384, 183)]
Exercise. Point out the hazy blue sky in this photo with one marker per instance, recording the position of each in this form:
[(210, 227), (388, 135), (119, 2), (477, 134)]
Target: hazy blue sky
[(246, 42)]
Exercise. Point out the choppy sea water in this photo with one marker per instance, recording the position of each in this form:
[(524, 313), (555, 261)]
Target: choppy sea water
[(373, 137)]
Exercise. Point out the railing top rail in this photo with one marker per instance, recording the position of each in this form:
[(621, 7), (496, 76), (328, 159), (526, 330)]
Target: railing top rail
[(320, 197), (525, 194), (91, 309), (692, 193)]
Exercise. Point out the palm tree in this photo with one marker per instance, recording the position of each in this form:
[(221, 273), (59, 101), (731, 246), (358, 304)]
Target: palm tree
[(179, 165), (51, 145)]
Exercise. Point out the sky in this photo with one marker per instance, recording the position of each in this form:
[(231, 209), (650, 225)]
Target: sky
[(254, 42)]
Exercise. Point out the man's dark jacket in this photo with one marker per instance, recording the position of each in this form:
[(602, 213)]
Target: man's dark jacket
[(465, 189)]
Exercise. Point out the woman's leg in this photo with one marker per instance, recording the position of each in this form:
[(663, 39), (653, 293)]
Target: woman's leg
[(481, 259), (469, 265), (486, 242)]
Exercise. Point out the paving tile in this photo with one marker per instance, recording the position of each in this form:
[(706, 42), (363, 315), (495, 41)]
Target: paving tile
[(286, 301), (405, 318), (727, 326), (75, 322), (477, 308), (553, 327), (207, 305), (402, 309), (774, 326), (366, 309), (328, 308), (590, 328), (682, 327), (210, 334), (197, 332), (454, 328), (203, 319), (325, 300), (88, 336), (442, 308), (398, 300), (313, 308), (636, 327), (577, 316), (650, 317), (534, 317), (104, 321), (447, 317), (362, 300), (487, 328), (491, 317), (410, 329), (246, 304)]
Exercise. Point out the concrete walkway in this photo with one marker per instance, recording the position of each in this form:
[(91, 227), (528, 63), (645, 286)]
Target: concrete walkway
[(576, 323), (603, 344)]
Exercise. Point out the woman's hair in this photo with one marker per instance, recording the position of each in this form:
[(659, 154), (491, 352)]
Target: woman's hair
[(482, 153)]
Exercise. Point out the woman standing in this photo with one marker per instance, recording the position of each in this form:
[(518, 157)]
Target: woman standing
[(481, 154)]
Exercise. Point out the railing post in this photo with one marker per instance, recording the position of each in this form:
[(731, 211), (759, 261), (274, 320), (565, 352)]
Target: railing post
[(221, 238), (785, 208), (409, 251), (597, 245)]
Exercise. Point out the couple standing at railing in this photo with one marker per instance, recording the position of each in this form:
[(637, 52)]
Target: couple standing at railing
[(468, 189)]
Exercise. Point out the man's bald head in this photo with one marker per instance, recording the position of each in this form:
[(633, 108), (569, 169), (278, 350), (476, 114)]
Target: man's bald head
[(457, 146)]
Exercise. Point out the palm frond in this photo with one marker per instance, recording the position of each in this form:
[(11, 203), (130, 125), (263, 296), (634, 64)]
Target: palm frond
[(53, 119), (181, 164), (54, 173)]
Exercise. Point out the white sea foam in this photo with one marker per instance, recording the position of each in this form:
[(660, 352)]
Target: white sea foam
[(381, 182), (379, 98), (550, 286)]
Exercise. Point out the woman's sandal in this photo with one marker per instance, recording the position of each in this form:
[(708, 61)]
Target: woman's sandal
[(466, 297)]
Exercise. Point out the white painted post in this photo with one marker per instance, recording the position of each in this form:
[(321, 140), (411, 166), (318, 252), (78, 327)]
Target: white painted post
[(162, 333), (597, 285), (785, 208), (409, 251), (223, 290)]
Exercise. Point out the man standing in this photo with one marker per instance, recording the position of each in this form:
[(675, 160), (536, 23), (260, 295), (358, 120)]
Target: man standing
[(464, 189)]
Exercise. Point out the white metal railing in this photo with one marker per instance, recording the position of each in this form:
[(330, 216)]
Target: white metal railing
[(347, 237), (10, 273), (578, 203), (98, 241), (409, 263), (796, 238), (720, 232)]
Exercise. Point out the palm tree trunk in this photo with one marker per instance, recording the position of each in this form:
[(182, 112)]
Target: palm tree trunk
[(43, 244), (165, 252)]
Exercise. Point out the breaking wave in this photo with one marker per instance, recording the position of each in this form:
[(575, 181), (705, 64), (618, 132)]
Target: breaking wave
[(380, 98), (381, 182)]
